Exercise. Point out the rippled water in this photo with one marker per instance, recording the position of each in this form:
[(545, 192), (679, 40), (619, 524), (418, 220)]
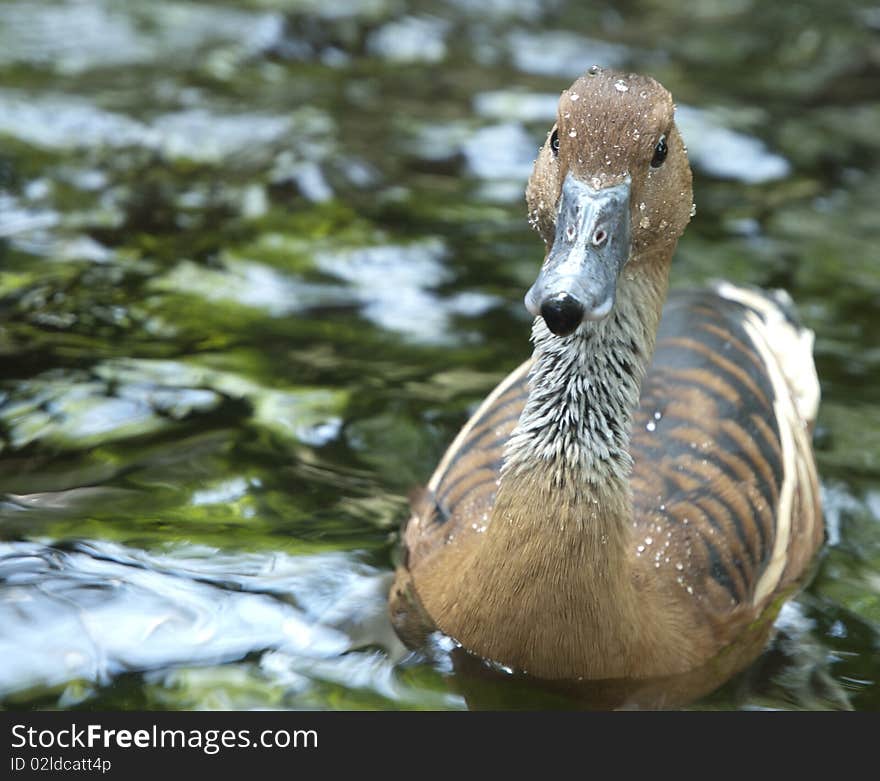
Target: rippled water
[(258, 261)]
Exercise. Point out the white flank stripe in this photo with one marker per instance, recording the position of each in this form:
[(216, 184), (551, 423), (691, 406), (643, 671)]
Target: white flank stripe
[(789, 364)]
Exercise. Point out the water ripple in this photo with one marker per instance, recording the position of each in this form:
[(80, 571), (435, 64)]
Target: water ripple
[(91, 610)]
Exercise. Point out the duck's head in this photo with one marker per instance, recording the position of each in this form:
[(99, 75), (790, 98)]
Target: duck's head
[(611, 184)]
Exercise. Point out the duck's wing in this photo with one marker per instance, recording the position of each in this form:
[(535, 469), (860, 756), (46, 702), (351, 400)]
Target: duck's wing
[(459, 496), (723, 464)]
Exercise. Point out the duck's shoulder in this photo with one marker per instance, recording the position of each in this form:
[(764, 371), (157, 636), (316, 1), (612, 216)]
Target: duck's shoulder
[(455, 504), (459, 495), (724, 479), (757, 331)]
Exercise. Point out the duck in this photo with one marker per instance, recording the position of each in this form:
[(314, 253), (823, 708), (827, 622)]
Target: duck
[(633, 505)]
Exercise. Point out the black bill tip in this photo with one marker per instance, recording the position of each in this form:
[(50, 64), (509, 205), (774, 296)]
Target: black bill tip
[(563, 313)]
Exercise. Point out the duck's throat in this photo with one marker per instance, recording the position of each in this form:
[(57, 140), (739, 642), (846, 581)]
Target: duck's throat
[(583, 390)]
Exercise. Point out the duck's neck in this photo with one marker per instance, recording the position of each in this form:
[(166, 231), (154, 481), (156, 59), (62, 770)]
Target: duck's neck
[(573, 434), (553, 579)]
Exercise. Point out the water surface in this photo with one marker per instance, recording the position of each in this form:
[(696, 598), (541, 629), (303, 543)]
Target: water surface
[(259, 259)]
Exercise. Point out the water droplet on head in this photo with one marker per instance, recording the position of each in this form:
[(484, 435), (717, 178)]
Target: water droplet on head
[(572, 133), (651, 425), (644, 223), (594, 69), (621, 86), (574, 96)]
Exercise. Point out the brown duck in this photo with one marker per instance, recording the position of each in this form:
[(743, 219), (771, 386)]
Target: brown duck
[(634, 503)]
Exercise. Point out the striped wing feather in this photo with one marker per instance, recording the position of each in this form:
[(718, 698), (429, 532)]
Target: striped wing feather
[(724, 486)]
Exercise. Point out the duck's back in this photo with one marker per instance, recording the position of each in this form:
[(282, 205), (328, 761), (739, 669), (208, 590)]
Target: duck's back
[(726, 503)]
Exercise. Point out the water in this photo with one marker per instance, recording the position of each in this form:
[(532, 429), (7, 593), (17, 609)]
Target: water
[(258, 261)]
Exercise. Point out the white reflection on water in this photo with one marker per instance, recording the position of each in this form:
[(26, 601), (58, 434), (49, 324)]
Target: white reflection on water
[(92, 610), (75, 37), (393, 285)]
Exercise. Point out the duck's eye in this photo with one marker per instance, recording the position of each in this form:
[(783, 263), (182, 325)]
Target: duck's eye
[(660, 152), (554, 142)]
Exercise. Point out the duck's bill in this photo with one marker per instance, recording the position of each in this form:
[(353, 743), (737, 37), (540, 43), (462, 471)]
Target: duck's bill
[(578, 280)]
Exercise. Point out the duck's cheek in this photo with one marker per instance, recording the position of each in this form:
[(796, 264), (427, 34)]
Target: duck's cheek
[(542, 193)]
